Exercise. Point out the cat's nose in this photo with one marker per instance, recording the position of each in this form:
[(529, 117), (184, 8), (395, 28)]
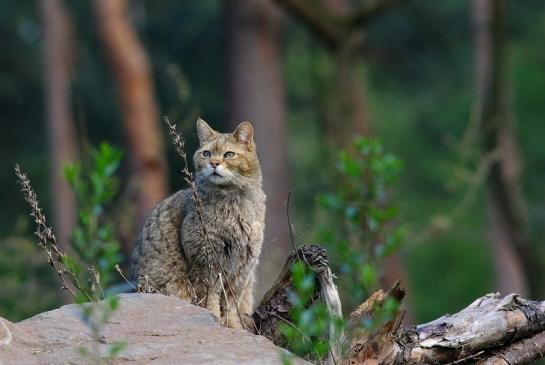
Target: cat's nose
[(215, 163)]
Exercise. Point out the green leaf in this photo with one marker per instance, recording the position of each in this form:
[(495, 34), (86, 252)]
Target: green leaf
[(368, 276), (116, 348), (113, 302)]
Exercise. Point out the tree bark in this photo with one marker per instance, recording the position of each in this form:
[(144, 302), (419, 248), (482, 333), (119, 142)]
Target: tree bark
[(507, 211), (491, 330), (255, 92), (130, 68), (61, 130)]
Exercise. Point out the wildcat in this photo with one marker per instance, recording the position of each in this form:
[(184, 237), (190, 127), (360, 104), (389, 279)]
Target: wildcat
[(212, 262)]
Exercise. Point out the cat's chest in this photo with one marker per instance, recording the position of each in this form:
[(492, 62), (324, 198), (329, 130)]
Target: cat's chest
[(229, 224)]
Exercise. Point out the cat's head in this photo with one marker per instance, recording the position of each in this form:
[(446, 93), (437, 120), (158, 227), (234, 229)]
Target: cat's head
[(226, 159)]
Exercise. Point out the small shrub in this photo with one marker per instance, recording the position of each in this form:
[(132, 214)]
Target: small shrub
[(361, 228), (95, 185)]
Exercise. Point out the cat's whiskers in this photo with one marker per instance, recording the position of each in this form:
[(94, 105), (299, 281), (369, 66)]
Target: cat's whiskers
[(201, 174)]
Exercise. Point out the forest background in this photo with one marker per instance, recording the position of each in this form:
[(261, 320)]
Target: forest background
[(453, 88)]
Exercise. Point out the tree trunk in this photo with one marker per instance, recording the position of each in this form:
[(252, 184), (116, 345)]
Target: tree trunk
[(350, 99), (256, 92), (130, 68), (507, 212), (62, 136), (349, 114)]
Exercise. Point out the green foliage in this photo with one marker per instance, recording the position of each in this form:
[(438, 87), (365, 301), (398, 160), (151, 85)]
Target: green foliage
[(382, 314), (306, 336), (361, 217), (359, 233), (96, 315), (23, 273), (94, 185)]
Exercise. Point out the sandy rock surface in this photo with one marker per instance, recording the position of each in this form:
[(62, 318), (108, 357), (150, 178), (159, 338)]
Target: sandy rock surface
[(157, 330)]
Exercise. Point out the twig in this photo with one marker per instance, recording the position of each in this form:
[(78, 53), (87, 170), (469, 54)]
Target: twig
[(290, 226), (95, 276), (472, 356), (120, 272), (433, 229)]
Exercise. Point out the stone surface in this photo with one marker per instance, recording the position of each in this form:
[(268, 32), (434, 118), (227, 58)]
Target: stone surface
[(156, 329)]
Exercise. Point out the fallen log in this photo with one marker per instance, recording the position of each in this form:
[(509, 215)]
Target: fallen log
[(483, 332), (491, 330)]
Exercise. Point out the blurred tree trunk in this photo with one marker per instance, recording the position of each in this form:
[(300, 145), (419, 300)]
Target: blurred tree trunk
[(62, 136), (131, 70), (256, 92), (349, 113), (507, 211), (342, 29)]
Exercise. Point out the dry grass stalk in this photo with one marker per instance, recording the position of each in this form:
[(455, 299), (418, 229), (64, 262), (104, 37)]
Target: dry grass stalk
[(47, 241), (179, 144)]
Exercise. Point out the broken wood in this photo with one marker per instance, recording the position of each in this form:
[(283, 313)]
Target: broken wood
[(491, 330), (275, 307)]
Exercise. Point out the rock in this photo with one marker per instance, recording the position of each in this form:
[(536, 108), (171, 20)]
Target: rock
[(157, 329)]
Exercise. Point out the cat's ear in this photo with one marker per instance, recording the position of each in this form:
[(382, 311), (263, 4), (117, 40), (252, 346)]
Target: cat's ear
[(204, 131), (245, 134)]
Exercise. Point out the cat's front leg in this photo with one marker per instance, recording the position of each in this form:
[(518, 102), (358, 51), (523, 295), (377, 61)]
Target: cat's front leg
[(213, 303), (246, 301), (241, 317), (232, 318)]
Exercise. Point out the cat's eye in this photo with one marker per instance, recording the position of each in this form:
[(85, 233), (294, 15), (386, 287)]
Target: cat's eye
[(207, 154), (229, 154)]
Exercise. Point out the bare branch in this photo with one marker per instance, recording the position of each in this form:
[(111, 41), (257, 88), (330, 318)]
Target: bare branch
[(332, 29), (371, 10)]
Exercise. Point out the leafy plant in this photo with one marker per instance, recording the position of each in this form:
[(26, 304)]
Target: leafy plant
[(360, 232), (95, 185), (307, 335), (360, 228), (95, 315)]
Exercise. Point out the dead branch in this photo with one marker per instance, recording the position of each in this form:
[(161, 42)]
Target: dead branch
[(335, 29), (332, 29), (372, 9)]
